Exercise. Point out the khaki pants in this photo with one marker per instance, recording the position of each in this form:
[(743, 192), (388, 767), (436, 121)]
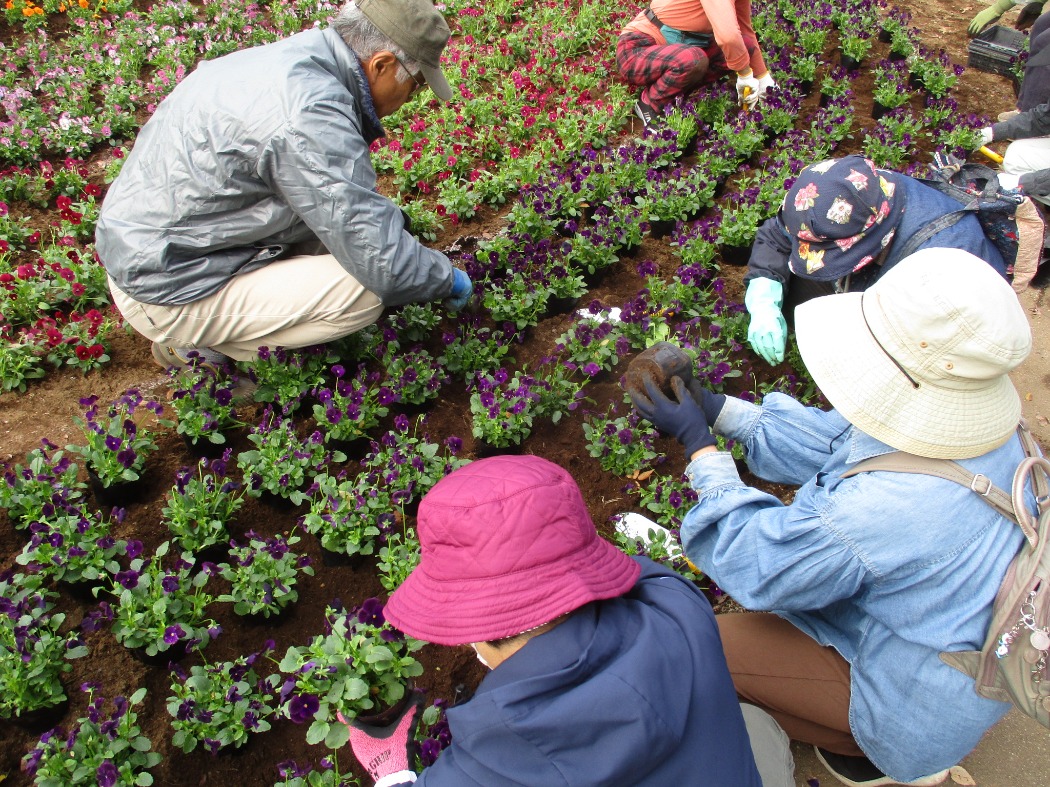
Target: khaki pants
[(295, 302), (1028, 155), (802, 685)]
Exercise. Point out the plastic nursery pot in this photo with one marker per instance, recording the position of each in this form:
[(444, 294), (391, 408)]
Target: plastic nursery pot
[(260, 620), (175, 653), (629, 251), (805, 86), (849, 63), (413, 408), (595, 279), (915, 82), (332, 559), (878, 110), (80, 591), (276, 502), (205, 448), (120, 493), (556, 306), (661, 228), (355, 449), (885, 36), (385, 716), (483, 450), (735, 255), (215, 553), (40, 720)]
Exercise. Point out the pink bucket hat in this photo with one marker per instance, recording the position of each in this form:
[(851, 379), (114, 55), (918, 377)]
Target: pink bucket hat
[(507, 545)]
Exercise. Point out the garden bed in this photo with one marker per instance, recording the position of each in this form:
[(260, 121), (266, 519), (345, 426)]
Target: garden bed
[(47, 407)]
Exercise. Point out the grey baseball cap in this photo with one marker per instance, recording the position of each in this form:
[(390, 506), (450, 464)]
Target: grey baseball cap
[(417, 27)]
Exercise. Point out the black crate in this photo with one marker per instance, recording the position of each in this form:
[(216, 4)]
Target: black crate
[(995, 49)]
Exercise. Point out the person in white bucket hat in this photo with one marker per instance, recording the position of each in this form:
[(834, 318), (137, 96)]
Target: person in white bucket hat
[(864, 580)]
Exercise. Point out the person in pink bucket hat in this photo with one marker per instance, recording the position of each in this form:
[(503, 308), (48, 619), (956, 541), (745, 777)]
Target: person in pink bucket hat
[(606, 669)]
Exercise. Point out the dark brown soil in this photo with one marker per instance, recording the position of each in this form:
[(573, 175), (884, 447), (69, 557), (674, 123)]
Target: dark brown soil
[(47, 409)]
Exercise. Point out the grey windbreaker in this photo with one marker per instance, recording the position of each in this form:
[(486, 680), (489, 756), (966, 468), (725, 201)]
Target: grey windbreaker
[(1033, 123), (252, 152)]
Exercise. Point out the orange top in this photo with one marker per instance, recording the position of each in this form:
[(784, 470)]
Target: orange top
[(728, 20)]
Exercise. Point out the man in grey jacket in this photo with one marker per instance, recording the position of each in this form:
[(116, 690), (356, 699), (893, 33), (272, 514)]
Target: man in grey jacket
[(1027, 159), (247, 215)]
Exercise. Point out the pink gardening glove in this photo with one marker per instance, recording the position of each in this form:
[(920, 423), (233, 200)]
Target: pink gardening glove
[(389, 749)]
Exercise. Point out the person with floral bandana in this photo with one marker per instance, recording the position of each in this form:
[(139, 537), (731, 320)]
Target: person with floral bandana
[(842, 225)]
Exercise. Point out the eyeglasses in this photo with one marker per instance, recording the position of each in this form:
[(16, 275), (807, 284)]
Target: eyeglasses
[(417, 78)]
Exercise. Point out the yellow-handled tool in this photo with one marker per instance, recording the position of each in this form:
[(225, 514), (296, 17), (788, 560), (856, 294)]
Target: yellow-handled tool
[(743, 99), (987, 151)]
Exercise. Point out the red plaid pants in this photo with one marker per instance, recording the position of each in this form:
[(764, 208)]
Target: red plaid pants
[(663, 71)]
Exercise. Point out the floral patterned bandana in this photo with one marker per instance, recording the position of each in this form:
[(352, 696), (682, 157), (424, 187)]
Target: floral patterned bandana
[(841, 214)]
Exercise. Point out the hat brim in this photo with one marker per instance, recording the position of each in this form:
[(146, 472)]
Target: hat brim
[(435, 78), (866, 387), (455, 612), (841, 263)]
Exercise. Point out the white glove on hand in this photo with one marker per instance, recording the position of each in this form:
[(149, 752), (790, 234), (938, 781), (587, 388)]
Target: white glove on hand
[(750, 86), (765, 82), (1009, 182), (986, 135)]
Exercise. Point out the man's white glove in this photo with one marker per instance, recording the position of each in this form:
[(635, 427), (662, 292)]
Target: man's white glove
[(747, 90), (1009, 182), (986, 135), (765, 82)]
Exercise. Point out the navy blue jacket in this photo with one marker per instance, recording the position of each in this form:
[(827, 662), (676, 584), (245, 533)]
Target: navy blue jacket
[(629, 691), (769, 257)]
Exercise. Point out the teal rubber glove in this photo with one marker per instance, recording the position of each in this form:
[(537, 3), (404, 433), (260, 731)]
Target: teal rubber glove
[(768, 329), (982, 20)]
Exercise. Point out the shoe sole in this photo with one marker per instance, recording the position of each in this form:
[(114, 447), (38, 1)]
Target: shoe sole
[(926, 781)]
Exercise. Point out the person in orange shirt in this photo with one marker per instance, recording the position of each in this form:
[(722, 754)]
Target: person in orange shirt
[(673, 46)]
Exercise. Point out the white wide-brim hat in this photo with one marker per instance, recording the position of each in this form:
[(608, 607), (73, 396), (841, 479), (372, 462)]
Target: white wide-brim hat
[(921, 359)]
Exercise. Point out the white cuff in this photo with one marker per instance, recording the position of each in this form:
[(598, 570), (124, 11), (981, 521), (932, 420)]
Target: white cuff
[(400, 777)]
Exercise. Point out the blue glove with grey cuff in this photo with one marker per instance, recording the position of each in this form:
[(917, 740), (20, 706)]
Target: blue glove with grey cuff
[(462, 289), (767, 331)]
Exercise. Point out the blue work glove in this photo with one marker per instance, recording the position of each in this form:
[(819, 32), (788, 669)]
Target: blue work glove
[(767, 331), (710, 402), (462, 289), (684, 418)]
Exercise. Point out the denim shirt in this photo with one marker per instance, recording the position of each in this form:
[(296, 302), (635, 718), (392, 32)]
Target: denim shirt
[(887, 568)]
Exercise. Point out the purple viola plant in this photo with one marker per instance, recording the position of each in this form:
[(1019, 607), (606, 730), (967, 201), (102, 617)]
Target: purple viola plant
[(75, 546), (108, 747), (33, 648), (263, 574), (353, 404), (118, 438), (158, 608), (217, 706), (360, 665), (47, 483), (202, 503)]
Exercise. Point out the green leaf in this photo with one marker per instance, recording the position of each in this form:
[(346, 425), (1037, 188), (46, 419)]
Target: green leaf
[(138, 696), (337, 736), (318, 732)]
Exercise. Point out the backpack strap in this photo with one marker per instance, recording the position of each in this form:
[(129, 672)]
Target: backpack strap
[(1005, 504), (931, 228)]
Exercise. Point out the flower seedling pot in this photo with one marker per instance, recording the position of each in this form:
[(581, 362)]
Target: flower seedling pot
[(661, 228), (556, 306), (176, 653), (387, 716), (483, 450), (595, 279), (204, 447), (121, 493), (332, 559), (355, 449), (40, 720), (262, 621), (885, 36), (276, 502), (630, 251), (878, 110), (81, 591), (849, 63), (805, 86), (735, 255)]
